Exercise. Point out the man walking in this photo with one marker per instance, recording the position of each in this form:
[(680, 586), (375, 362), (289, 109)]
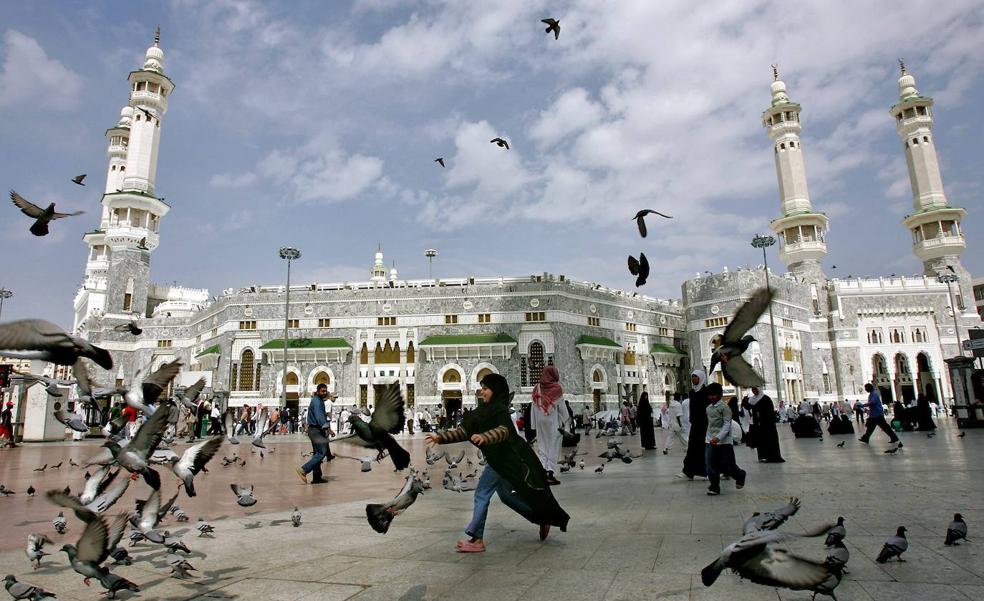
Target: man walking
[(719, 452), (318, 430), (876, 417), (859, 411)]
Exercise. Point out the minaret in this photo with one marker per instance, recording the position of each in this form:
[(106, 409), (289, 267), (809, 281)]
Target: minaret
[(394, 274), (378, 268), (800, 229), (937, 238)]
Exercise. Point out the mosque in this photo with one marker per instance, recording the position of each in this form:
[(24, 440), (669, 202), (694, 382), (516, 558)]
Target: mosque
[(439, 337)]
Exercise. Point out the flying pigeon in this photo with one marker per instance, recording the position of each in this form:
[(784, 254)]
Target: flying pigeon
[(134, 456), (41, 216), (757, 556), (79, 179), (640, 219), (552, 25), (895, 546), (244, 494), (380, 516), (432, 457), (180, 567), (35, 545), (149, 114), (439, 161), (387, 419), (193, 460), (130, 326), (730, 345), (957, 530), (146, 390), (456, 483), (58, 465), (771, 520), (59, 523), (639, 268), (150, 515), (72, 420), (454, 461), (42, 468), (840, 445), (24, 590), (93, 549), (204, 528), (837, 533), (497, 141), (40, 339), (50, 384)]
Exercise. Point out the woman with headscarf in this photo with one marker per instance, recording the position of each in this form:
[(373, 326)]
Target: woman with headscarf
[(513, 471), (924, 414), (693, 463), (644, 415), (549, 417), (766, 435)]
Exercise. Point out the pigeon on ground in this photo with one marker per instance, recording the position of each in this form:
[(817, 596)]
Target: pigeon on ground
[(500, 143), (58, 465), (180, 516), (961, 435), (30, 490), (79, 179), (840, 445), (552, 25), (600, 468), (180, 568), (456, 483), (771, 520), (35, 548), (387, 419), (730, 345), (24, 590), (838, 555), (640, 219), (40, 339), (639, 268), (93, 549), (177, 545), (895, 546), (957, 530), (130, 326), (59, 523), (837, 533), (42, 217), (757, 556), (6, 492), (380, 516), (295, 517), (42, 468), (204, 528), (581, 464), (244, 494), (193, 460), (439, 161)]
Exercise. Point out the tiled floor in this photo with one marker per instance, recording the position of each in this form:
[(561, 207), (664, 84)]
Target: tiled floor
[(636, 532)]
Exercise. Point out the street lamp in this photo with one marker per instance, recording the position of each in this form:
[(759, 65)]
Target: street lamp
[(949, 279), (4, 294), (430, 253), (764, 242), (290, 254)]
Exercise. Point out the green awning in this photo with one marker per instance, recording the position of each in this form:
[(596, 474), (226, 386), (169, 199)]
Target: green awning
[(666, 348), (212, 350), (307, 343), (467, 339), (598, 341)]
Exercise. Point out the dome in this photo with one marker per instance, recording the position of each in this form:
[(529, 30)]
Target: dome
[(779, 92), (126, 115), (907, 86)]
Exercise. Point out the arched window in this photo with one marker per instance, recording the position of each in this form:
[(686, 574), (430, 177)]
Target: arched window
[(364, 355), (246, 370), (597, 376), (451, 376), (292, 379), (410, 352), (535, 362), (482, 373), (322, 377)]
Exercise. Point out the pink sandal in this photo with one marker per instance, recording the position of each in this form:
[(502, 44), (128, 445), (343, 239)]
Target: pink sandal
[(466, 546)]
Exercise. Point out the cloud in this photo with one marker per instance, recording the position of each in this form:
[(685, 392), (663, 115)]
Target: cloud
[(29, 78), (232, 180)]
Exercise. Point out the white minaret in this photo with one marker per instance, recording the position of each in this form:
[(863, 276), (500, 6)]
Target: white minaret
[(378, 268), (149, 89), (800, 229), (936, 235)]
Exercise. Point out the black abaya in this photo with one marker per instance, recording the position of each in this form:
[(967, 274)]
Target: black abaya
[(647, 435), (766, 434), (693, 463)]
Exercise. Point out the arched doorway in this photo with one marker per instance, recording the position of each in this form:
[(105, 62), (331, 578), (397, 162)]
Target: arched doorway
[(451, 392), (904, 386), (293, 389), (925, 380), (880, 377)]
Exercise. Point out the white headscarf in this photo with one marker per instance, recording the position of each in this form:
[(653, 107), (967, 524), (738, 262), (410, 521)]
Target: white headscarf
[(755, 398), (701, 378)]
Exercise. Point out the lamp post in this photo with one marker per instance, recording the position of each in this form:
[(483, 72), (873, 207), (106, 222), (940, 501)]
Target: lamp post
[(764, 242), (290, 254), (430, 253), (949, 279), (4, 294)]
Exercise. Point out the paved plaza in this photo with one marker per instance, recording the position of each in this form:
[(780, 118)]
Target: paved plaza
[(636, 532)]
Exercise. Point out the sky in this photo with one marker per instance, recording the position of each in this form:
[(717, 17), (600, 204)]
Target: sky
[(316, 124)]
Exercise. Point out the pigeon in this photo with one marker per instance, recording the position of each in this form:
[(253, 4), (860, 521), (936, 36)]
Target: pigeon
[(146, 390), (142, 245), (130, 326), (552, 25), (42, 468), (838, 555), (72, 420), (193, 460), (456, 483), (59, 523), (58, 465), (961, 435), (497, 141), (730, 345), (895, 546), (230, 428), (41, 216), (79, 179), (30, 490), (957, 530), (6, 492), (454, 461), (639, 268), (92, 549), (148, 114), (380, 516), (244, 494), (600, 468), (176, 545), (640, 219), (840, 445), (295, 517), (387, 419), (771, 520), (432, 457), (204, 528), (439, 161), (97, 483), (581, 464), (133, 457), (893, 451), (757, 556), (34, 551), (180, 567), (40, 339), (189, 397), (24, 590), (180, 516), (837, 533), (72, 463), (50, 384), (150, 514), (481, 457), (366, 462)]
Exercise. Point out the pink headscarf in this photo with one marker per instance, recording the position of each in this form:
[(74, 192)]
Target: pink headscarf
[(548, 391)]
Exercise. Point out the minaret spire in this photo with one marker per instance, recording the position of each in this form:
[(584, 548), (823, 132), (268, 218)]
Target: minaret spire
[(157, 37), (902, 66), (775, 72)]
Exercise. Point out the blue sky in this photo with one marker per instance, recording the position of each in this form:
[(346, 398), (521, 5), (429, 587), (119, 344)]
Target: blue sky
[(316, 123)]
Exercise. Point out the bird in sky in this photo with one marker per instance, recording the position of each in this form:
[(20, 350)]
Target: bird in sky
[(78, 179), (130, 326), (639, 268), (735, 341), (42, 217), (497, 141), (193, 460), (640, 219), (552, 25), (439, 161)]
